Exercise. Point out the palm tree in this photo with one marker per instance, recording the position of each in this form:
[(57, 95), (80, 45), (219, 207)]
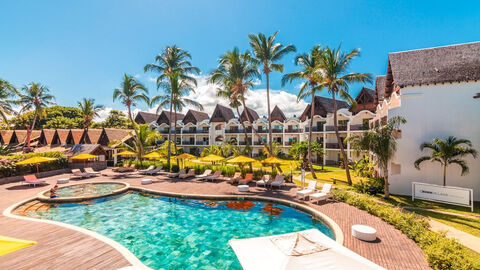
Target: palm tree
[(89, 110), (268, 53), (175, 94), (381, 142), (7, 91), (36, 97), (313, 84), (334, 64), (171, 65), (131, 92), (446, 152), (145, 139)]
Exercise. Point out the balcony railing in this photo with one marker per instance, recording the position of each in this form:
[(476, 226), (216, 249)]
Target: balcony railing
[(233, 130), (189, 131), (262, 130), (293, 130), (277, 130), (332, 145), (358, 127), (201, 131), (201, 143), (332, 128), (258, 143), (290, 142), (314, 129), (188, 143)]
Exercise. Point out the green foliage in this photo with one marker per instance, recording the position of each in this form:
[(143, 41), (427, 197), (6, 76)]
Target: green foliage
[(299, 150), (363, 167), (442, 253), (115, 119), (8, 167), (143, 164), (62, 123), (5, 150), (57, 116), (364, 186)]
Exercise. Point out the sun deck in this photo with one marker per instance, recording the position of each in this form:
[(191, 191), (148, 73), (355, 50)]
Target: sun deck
[(57, 246)]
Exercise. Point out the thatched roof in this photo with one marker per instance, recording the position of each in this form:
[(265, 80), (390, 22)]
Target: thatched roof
[(222, 114), (253, 115), (75, 136), (323, 106), (194, 117), (63, 135), (365, 100), (165, 117), (6, 136), (47, 136), (379, 89), (114, 134), (145, 118), (277, 114), (454, 63), (91, 136), (21, 136)]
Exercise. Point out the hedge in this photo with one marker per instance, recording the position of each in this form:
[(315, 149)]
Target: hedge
[(8, 167), (441, 252)]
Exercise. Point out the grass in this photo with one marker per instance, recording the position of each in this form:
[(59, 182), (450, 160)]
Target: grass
[(468, 225), (474, 256), (407, 201)]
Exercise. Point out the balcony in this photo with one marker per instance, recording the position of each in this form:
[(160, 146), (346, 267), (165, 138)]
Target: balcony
[(276, 130), (293, 130), (202, 131), (188, 143), (262, 130), (332, 145), (233, 130), (201, 143), (332, 128), (315, 129), (359, 127), (164, 131), (258, 143), (189, 131)]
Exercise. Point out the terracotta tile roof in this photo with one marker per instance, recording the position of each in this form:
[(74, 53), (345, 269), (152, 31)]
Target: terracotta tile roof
[(379, 89), (452, 63), (277, 114), (251, 113), (323, 106), (63, 135), (145, 117), (6, 136), (222, 114), (194, 117)]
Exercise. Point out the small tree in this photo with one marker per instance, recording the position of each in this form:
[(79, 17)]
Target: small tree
[(381, 143), (446, 152), (299, 150)]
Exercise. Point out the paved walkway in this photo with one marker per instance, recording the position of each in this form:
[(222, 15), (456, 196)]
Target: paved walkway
[(61, 248), (466, 239)]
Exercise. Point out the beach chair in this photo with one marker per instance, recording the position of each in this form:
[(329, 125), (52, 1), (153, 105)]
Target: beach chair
[(266, 180), (31, 179), (191, 173), (278, 182), (118, 169), (324, 194), (156, 170), (174, 175), (302, 194), (204, 174), (236, 177), (147, 169), (79, 174), (91, 172), (217, 175), (248, 178)]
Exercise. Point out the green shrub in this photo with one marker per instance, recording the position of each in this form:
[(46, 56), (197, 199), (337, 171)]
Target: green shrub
[(364, 186), (144, 164), (8, 167), (442, 253), (175, 168)]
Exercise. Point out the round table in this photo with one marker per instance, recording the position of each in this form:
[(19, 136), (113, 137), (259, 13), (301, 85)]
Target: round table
[(146, 181), (243, 188), (62, 180), (363, 232)]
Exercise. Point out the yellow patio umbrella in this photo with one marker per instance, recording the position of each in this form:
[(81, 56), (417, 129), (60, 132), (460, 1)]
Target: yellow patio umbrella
[(126, 153), (84, 157), (212, 158), (35, 160), (8, 244), (273, 160), (153, 155), (241, 159)]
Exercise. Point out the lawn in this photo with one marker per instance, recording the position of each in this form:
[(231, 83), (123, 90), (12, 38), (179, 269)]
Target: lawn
[(468, 225), (407, 201)]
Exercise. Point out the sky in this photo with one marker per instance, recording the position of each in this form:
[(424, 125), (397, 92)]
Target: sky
[(82, 48)]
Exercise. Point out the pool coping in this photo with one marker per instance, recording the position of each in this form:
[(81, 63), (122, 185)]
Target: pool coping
[(130, 257), (41, 197)]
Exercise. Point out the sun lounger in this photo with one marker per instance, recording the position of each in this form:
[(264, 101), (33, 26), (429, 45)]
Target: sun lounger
[(278, 182), (236, 177), (156, 170), (91, 172), (302, 194), (266, 180), (147, 169), (191, 173), (324, 194), (248, 178), (118, 169), (79, 174), (217, 175), (174, 175), (31, 179), (204, 174)]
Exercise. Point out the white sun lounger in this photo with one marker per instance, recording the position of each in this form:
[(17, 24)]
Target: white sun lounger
[(147, 169), (322, 195), (157, 170), (91, 172), (302, 194), (204, 174), (266, 180), (215, 176), (77, 173), (191, 173), (278, 182)]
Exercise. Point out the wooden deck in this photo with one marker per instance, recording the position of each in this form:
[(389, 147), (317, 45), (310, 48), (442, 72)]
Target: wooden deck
[(62, 248)]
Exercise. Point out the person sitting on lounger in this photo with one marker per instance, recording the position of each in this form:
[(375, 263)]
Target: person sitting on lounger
[(53, 192)]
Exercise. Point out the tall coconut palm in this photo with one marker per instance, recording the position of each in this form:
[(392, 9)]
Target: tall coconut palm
[(7, 91), (130, 93), (447, 152), (334, 64), (36, 97), (268, 53), (313, 83), (380, 142), (236, 72), (175, 94), (89, 110), (173, 64)]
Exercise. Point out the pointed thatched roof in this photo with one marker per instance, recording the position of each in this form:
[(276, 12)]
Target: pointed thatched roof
[(323, 106), (222, 114), (114, 134), (6, 136), (253, 115), (165, 117), (145, 118), (365, 100), (75, 136), (194, 117), (91, 136), (63, 135), (277, 114), (379, 89), (47, 136)]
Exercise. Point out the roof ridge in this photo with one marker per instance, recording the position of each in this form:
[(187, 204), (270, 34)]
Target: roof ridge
[(436, 47)]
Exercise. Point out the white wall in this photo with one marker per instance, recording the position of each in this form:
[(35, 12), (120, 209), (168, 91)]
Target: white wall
[(436, 111)]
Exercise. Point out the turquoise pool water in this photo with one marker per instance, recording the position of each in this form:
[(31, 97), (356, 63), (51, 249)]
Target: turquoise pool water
[(87, 189), (170, 233)]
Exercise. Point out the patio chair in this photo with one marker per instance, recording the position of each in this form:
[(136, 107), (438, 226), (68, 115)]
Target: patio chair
[(191, 173), (235, 178), (266, 180), (302, 194), (248, 178), (204, 174), (147, 169), (174, 175), (156, 170), (118, 169), (278, 182), (217, 175), (324, 194), (31, 179), (90, 171), (79, 174)]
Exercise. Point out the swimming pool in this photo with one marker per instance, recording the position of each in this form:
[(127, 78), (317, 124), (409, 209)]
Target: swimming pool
[(172, 233), (87, 189)]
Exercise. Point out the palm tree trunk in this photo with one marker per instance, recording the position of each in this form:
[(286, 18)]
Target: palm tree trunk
[(387, 185), (270, 139), (29, 130), (169, 151), (137, 138), (445, 175), (175, 132), (254, 130), (340, 143), (310, 124), (247, 144)]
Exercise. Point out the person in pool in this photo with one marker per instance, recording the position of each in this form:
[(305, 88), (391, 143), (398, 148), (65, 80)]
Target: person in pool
[(53, 192)]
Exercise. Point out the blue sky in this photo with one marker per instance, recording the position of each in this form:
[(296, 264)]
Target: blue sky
[(82, 48)]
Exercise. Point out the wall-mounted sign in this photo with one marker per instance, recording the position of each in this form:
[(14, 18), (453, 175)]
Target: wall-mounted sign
[(443, 194)]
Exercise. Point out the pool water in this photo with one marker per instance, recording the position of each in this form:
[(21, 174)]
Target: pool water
[(88, 189), (171, 233)]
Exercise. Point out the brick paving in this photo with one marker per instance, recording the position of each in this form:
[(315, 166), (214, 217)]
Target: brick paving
[(392, 250)]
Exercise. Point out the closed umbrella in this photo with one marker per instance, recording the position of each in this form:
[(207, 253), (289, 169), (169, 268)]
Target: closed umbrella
[(35, 160)]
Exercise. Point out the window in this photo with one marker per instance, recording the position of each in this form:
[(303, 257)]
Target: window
[(395, 168), (342, 122)]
